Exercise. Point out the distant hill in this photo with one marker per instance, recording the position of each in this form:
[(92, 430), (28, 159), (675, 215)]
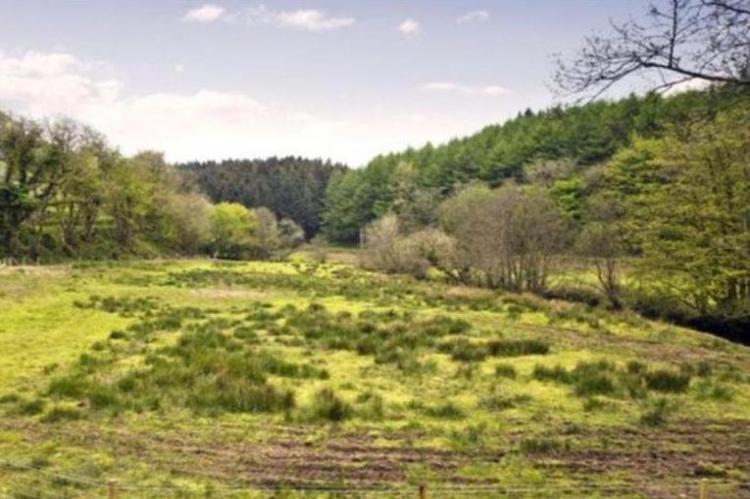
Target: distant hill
[(291, 187)]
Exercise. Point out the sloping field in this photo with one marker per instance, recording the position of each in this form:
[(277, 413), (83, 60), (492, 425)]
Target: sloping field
[(182, 378)]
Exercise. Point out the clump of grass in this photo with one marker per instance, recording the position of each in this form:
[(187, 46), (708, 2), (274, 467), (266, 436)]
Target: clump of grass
[(30, 407), (447, 410), (542, 445), (329, 407), (505, 371), (497, 402), (663, 380), (594, 378), (370, 406), (59, 414), (118, 334), (555, 373), (711, 390), (657, 413), (466, 351), (516, 348), (594, 404)]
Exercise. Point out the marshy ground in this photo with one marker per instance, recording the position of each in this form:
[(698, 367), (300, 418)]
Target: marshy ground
[(182, 378)]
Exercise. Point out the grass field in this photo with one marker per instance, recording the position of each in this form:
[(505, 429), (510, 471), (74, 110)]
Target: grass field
[(182, 378)]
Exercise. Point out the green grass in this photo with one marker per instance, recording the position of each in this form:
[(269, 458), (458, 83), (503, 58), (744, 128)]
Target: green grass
[(172, 373)]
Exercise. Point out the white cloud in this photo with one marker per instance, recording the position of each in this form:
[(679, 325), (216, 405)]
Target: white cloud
[(409, 28), (205, 14), (449, 86), (311, 20), (207, 124), (51, 83), (179, 68), (475, 16)]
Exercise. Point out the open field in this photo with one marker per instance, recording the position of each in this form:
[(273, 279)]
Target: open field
[(182, 378)]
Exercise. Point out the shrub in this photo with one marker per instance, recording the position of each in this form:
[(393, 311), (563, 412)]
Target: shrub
[(328, 406)]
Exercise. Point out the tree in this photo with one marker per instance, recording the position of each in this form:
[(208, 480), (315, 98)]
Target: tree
[(290, 233), (696, 228), (188, 217), (34, 161), (232, 225), (505, 238), (682, 40), (266, 237), (385, 248), (601, 241)]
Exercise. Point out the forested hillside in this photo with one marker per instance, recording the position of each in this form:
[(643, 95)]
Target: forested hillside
[(291, 187), (555, 147)]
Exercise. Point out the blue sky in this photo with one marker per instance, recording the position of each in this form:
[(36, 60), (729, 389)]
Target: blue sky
[(339, 80)]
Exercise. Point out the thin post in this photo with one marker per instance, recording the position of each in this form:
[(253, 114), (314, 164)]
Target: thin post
[(422, 491), (112, 489), (703, 489)]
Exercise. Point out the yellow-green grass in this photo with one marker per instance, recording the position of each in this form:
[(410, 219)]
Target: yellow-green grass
[(44, 330)]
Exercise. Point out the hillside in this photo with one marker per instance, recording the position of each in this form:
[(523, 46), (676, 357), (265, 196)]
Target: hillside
[(199, 378)]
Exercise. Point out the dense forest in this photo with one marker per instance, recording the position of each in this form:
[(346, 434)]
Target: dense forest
[(291, 187)]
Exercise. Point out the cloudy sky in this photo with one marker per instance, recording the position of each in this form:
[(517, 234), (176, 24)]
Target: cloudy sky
[(330, 79)]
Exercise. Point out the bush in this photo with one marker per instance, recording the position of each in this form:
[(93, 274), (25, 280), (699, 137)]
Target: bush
[(328, 406)]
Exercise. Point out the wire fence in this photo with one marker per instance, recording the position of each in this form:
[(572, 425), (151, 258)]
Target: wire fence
[(11, 486)]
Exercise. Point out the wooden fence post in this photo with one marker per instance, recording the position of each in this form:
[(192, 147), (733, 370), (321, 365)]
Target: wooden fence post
[(703, 489), (422, 491), (112, 489)]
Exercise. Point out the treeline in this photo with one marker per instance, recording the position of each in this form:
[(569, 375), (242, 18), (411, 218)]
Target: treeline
[(660, 185), (65, 193), (291, 187)]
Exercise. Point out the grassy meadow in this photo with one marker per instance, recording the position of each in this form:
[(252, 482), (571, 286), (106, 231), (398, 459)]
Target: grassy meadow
[(204, 378)]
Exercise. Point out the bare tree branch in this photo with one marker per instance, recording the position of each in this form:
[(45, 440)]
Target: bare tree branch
[(678, 40)]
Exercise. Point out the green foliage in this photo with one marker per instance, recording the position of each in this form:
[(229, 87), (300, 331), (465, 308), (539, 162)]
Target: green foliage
[(232, 226)]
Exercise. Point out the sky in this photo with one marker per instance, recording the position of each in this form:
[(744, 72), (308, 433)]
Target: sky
[(331, 79)]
